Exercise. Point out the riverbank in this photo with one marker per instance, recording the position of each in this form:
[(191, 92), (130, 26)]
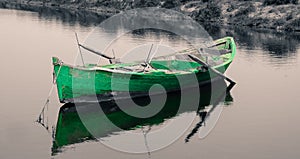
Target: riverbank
[(256, 14)]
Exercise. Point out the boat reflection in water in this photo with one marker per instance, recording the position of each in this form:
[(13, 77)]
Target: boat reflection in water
[(70, 128)]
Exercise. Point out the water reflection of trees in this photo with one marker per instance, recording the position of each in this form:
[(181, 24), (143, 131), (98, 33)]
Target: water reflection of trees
[(69, 17), (276, 44), (82, 17)]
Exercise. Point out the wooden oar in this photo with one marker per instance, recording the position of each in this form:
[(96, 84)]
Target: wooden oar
[(147, 59), (218, 44), (96, 52), (212, 69)]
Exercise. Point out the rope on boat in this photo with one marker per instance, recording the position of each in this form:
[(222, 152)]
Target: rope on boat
[(145, 132), (44, 113)]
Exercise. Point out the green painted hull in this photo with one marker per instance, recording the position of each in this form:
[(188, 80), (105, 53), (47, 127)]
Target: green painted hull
[(75, 82)]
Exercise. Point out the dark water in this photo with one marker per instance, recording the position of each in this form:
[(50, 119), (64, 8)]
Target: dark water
[(261, 122)]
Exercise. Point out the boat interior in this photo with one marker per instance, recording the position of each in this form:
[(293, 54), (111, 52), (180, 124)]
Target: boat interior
[(179, 62)]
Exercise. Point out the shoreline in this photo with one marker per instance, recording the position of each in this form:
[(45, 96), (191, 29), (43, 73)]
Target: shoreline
[(224, 13)]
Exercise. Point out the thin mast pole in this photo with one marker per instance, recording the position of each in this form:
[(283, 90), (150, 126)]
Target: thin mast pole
[(79, 49)]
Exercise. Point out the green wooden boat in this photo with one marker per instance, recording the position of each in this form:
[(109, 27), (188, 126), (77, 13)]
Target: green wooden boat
[(74, 82)]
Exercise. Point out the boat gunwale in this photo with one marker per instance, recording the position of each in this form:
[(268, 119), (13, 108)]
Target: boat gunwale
[(101, 68)]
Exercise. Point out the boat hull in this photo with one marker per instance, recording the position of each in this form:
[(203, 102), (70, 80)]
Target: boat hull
[(75, 82)]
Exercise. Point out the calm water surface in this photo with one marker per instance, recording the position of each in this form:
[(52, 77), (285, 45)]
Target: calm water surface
[(261, 122)]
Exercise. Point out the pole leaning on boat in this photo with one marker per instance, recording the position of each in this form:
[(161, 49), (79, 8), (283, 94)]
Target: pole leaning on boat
[(96, 52), (90, 50), (212, 69), (79, 49)]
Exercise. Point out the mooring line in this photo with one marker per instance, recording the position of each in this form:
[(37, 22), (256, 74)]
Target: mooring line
[(44, 112), (145, 139)]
